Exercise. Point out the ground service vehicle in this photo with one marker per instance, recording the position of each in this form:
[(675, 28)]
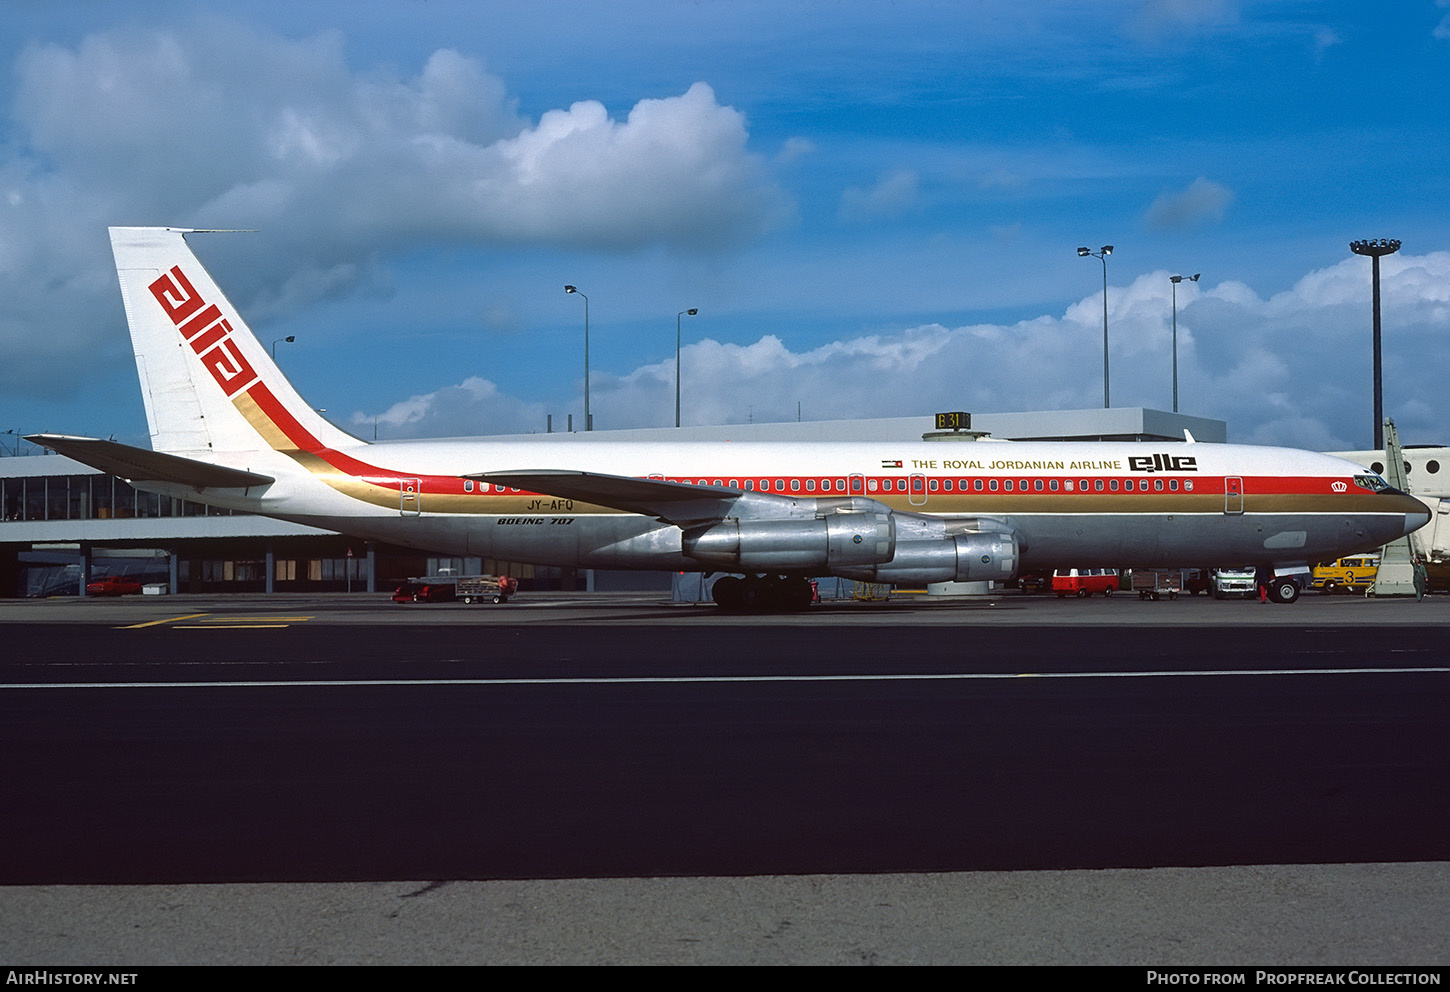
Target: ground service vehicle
[(1084, 582), (1231, 582), (487, 588), (1197, 580), (1354, 574), (1152, 583), (425, 592), (225, 423)]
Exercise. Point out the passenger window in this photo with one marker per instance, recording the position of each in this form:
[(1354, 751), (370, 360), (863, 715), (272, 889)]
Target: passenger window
[(1037, 485), (994, 485), (795, 485), (871, 485), (1113, 485)]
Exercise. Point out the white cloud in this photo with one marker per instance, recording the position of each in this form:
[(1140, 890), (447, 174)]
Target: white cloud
[(1325, 38), (473, 406), (214, 124), (1201, 201), (1292, 369), (894, 194), (794, 150), (1159, 19)]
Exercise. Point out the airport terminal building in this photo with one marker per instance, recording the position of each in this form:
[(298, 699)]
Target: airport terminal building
[(64, 524)]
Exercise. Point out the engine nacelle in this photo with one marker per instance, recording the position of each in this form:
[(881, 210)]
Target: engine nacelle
[(992, 555), (834, 541)]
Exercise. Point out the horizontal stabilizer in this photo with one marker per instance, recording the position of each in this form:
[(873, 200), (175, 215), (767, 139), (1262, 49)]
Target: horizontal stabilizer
[(141, 465)]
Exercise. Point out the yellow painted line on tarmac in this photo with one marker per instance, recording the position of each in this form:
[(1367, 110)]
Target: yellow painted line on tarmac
[(220, 623), (153, 623), (243, 623)]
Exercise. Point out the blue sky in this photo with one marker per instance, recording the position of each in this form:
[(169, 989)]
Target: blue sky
[(874, 206)]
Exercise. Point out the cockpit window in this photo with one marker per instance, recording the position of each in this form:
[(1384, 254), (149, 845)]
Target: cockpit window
[(1371, 482)]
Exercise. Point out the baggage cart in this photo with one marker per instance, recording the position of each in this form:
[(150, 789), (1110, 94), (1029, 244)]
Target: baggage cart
[(487, 588), (1152, 583)]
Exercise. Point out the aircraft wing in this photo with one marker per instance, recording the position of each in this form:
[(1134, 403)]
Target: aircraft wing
[(678, 503), (141, 465)]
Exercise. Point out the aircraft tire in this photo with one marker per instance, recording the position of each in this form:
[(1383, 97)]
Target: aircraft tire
[(763, 594), (1284, 591), (728, 593)]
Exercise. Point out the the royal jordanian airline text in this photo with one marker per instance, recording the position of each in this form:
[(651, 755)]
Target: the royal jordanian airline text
[(1136, 463)]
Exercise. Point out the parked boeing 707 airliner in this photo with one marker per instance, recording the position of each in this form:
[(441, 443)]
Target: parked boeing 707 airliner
[(228, 428)]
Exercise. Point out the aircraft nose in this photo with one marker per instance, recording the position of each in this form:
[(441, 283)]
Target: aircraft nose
[(1417, 514)]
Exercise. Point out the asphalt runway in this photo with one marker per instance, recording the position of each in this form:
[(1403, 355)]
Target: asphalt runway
[(343, 746)]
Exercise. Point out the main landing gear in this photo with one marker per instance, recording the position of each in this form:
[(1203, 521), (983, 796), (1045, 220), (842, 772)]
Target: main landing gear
[(762, 593)]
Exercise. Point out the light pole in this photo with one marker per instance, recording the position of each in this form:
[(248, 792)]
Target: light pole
[(1175, 280), (1374, 249), (588, 420), (1103, 254), (692, 311), (289, 339)]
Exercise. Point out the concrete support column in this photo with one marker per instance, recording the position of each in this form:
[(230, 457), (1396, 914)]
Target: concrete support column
[(271, 566), (85, 568), (372, 566)]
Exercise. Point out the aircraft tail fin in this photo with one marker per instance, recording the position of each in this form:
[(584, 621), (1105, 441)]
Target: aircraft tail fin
[(209, 385)]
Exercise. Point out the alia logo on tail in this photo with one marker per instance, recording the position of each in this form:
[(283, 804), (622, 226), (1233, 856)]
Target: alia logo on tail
[(205, 329)]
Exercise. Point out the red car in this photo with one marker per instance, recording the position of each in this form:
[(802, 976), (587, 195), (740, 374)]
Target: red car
[(113, 585), (432, 592)]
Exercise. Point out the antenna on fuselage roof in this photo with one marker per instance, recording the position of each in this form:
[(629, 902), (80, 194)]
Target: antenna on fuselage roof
[(1189, 437)]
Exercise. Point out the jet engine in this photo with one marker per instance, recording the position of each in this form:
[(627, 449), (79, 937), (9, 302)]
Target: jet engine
[(962, 558), (832, 542)]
